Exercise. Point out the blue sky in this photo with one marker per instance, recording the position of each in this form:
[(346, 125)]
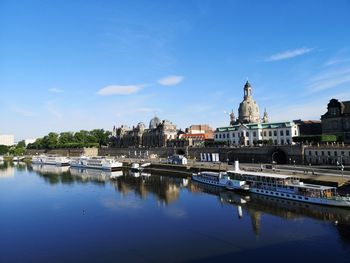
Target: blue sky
[(71, 65)]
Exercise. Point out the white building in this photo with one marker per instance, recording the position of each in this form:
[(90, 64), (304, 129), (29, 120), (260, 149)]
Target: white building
[(278, 133), (7, 140)]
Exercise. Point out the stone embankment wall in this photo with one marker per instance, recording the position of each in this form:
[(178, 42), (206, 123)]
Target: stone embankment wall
[(266, 154), (66, 152)]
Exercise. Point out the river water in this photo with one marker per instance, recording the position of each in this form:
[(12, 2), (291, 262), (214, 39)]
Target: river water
[(57, 214)]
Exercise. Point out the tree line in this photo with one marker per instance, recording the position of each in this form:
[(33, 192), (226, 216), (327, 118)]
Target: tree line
[(93, 138)]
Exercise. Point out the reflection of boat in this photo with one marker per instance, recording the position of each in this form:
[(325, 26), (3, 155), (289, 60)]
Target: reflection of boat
[(94, 174), (138, 166), (220, 179), (42, 168), (1, 158), (15, 159), (96, 163), (288, 187), (135, 174), (116, 174), (50, 159)]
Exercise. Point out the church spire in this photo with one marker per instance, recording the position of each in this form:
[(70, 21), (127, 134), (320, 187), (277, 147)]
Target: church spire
[(265, 118)]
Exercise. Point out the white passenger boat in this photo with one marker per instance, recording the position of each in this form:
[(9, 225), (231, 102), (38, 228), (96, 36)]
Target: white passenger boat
[(289, 187), (96, 163), (50, 159), (220, 179)]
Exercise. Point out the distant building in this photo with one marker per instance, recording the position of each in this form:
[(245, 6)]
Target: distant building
[(309, 127), (278, 133), (336, 121), (7, 140), (157, 134), (195, 135), (201, 129)]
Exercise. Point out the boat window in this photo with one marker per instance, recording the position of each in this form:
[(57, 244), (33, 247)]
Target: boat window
[(282, 194), (271, 192), (299, 197), (277, 193), (294, 196), (288, 195), (306, 198)]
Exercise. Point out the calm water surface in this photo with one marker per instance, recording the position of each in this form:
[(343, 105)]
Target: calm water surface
[(53, 214)]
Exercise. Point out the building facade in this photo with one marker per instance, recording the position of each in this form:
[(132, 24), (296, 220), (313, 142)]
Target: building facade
[(279, 133), (156, 135), (330, 155), (336, 121), (7, 140)]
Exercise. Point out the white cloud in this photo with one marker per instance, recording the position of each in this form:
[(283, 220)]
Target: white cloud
[(170, 80), (119, 90), (56, 90), (329, 79), (288, 54)]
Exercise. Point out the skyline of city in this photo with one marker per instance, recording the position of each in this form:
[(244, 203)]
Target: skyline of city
[(86, 65)]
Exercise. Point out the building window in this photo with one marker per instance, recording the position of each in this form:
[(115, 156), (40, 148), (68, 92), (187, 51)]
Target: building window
[(329, 153), (216, 136), (322, 153), (254, 134), (264, 133), (261, 133), (316, 153), (224, 136), (233, 135), (335, 154), (247, 134), (287, 132), (220, 135), (270, 133), (288, 141), (228, 135), (282, 141), (281, 133), (295, 132), (274, 133), (275, 142)]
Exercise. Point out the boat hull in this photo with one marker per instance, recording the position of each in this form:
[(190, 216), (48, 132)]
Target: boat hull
[(299, 198)]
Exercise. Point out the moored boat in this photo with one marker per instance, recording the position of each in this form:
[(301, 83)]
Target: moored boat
[(96, 163), (289, 187), (50, 159), (220, 179)]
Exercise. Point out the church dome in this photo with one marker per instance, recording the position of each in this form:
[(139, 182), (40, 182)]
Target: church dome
[(248, 110), (154, 123)]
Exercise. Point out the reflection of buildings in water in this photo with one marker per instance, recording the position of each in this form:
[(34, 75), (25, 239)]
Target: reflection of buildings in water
[(6, 171), (53, 169), (166, 189)]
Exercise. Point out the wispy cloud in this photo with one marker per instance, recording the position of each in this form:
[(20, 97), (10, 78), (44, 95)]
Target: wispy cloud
[(289, 54), (170, 80), (120, 90), (51, 108), (23, 112), (329, 79), (56, 90)]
